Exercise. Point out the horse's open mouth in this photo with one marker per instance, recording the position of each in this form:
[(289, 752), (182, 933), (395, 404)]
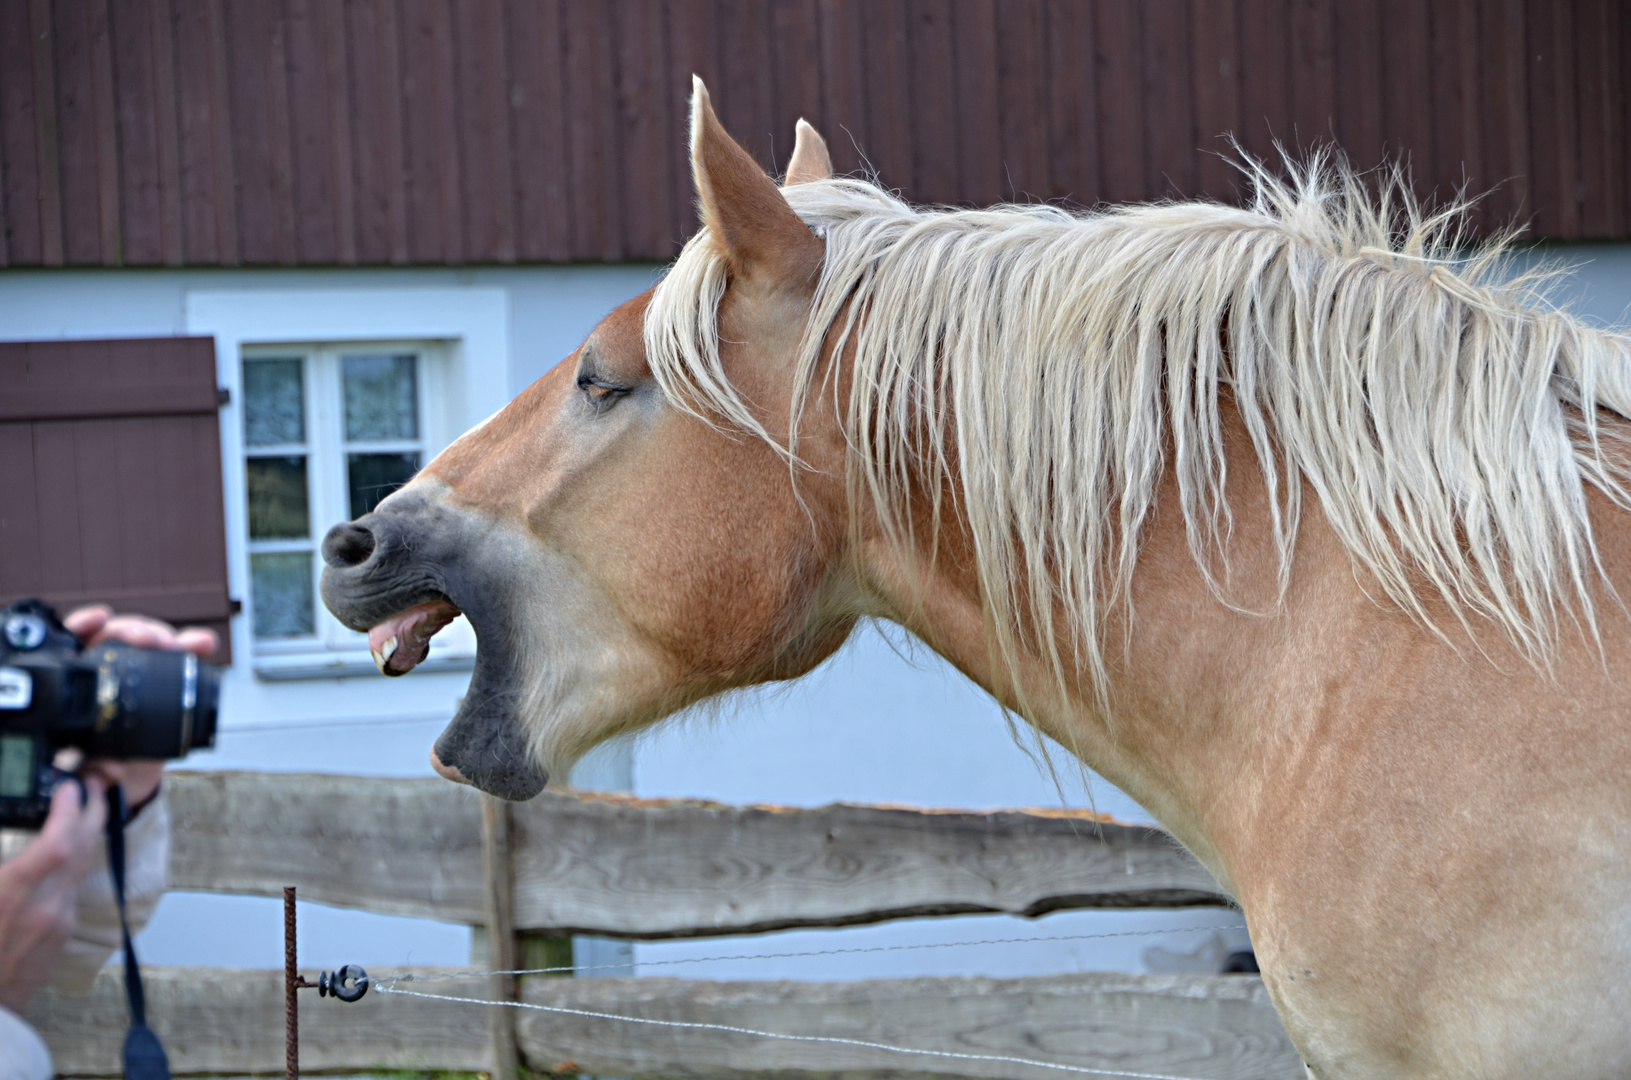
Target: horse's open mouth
[(399, 643)]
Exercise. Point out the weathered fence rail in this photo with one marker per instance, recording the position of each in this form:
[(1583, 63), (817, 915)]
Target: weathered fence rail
[(646, 869), (231, 1022), (635, 868)]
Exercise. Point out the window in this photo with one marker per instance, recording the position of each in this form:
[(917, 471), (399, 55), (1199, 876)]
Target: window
[(459, 336), (328, 432)]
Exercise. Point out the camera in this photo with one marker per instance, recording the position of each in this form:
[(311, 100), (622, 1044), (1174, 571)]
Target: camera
[(110, 701)]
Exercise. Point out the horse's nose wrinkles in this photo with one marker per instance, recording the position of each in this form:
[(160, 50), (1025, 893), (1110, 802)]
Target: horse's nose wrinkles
[(347, 545)]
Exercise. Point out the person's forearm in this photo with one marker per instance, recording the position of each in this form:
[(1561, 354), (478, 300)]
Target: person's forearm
[(96, 935)]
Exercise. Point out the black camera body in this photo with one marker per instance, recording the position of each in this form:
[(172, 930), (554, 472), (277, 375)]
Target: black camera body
[(110, 701)]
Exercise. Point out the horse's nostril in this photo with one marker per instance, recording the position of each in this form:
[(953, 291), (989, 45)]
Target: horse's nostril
[(348, 544)]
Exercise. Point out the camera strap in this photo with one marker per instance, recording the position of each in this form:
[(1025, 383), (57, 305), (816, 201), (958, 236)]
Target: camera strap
[(145, 1058)]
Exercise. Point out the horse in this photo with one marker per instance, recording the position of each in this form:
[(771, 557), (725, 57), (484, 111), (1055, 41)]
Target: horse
[(1300, 521)]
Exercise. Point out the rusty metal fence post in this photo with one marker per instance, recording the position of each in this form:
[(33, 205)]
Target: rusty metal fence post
[(291, 998)]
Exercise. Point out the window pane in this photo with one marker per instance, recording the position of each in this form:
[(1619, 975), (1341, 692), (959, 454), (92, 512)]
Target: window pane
[(374, 476), (274, 402), (282, 592), (277, 498), (381, 397)]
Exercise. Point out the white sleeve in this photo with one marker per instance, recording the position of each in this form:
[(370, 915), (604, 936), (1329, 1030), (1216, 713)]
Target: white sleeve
[(23, 1054), (96, 924)]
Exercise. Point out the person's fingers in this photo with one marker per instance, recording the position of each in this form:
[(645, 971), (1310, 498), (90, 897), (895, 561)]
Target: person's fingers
[(110, 771), (139, 778), (199, 641), (93, 815), (123, 628), (74, 808), (52, 849), (69, 835), (85, 842), (137, 630), (96, 624), (88, 621), (146, 633)]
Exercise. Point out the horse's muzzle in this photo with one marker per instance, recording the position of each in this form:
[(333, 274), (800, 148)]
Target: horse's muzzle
[(372, 571), (414, 550)]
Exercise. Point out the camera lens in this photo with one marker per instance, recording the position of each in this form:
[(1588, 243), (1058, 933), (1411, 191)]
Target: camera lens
[(151, 704)]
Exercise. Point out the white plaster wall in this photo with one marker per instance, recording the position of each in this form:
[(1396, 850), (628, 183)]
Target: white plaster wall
[(881, 722), (1596, 282)]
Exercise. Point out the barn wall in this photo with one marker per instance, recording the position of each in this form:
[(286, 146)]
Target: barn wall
[(414, 132)]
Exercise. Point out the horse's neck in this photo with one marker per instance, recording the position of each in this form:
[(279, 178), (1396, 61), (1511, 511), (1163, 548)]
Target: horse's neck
[(1195, 724)]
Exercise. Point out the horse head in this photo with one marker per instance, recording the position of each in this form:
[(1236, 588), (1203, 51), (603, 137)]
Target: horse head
[(619, 554)]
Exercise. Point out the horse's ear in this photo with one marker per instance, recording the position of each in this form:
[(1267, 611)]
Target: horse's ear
[(810, 158), (742, 207)]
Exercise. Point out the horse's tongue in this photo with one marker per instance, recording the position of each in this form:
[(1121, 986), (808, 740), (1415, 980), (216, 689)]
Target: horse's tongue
[(399, 643)]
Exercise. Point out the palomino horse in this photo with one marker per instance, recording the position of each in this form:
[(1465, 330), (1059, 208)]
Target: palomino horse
[(1301, 530)]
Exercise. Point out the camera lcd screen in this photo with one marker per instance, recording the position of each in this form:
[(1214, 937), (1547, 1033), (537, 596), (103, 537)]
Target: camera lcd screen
[(17, 763)]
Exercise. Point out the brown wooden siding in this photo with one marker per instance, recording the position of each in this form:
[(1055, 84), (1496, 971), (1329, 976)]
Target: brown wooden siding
[(111, 489), (340, 132)]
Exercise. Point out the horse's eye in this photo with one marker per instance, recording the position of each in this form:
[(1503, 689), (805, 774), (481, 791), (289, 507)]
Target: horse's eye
[(601, 394)]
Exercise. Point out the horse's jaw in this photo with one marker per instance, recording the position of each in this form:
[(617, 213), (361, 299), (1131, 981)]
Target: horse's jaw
[(555, 675)]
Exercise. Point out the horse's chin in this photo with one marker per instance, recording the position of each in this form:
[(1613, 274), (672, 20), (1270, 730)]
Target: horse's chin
[(485, 744)]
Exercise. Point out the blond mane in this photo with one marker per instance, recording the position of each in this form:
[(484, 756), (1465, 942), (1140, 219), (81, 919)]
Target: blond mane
[(1053, 366)]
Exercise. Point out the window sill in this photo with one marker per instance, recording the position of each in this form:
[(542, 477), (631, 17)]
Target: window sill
[(344, 665)]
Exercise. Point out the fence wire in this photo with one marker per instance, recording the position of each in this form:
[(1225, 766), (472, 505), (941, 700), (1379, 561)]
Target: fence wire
[(831, 1040), (392, 985)]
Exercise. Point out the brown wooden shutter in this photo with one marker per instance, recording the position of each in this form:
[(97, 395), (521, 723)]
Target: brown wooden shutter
[(110, 478)]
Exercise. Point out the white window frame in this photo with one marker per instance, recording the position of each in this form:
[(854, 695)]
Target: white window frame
[(327, 491), (461, 335)]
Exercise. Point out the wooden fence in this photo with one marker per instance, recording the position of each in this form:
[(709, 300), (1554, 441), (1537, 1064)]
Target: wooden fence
[(632, 868)]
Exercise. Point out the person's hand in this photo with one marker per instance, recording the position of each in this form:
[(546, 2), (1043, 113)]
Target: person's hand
[(94, 625), (37, 889)]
